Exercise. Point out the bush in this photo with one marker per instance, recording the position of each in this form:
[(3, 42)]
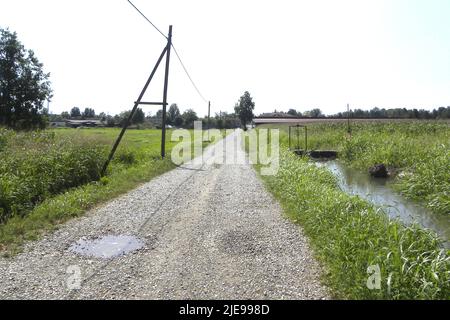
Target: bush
[(126, 157)]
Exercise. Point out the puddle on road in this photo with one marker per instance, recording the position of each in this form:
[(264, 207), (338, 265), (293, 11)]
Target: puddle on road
[(107, 247)]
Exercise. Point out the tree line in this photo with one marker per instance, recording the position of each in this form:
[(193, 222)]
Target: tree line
[(174, 118), (398, 113), (374, 113)]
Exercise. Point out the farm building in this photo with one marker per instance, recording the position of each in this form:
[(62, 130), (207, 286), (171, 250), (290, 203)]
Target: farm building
[(57, 124), (83, 123)]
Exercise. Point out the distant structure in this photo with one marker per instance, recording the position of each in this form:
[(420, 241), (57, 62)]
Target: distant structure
[(275, 117), (83, 123), (57, 124)]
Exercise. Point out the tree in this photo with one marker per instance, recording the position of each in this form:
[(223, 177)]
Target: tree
[(138, 117), (65, 115), (189, 116), (88, 113), (110, 122), (102, 116), (121, 118), (292, 112), (75, 112), (24, 87), (314, 113), (178, 122), (173, 113), (244, 109)]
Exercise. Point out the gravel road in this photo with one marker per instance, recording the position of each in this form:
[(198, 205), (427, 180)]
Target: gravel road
[(209, 231)]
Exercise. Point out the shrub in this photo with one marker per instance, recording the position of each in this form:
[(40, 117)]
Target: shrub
[(125, 156)]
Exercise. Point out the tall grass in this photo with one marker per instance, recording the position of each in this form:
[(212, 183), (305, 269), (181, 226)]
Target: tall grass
[(35, 166), (349, 235)]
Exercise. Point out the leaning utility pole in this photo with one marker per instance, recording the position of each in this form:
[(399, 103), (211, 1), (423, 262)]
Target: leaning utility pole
[(165, 52)]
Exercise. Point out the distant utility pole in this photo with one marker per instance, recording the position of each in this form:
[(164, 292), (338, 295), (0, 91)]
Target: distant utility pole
[(348, 119), (209, 120)]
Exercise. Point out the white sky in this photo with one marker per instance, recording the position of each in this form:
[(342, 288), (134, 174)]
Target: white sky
[(288, 54)]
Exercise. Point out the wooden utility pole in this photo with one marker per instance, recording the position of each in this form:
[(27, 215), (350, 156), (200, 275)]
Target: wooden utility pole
[(139, 101), (130, 117), (166, 85)]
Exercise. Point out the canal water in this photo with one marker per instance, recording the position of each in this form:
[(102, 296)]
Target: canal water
[(377, 191)]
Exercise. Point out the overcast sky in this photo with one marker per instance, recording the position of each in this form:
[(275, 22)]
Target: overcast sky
[(287, 54)]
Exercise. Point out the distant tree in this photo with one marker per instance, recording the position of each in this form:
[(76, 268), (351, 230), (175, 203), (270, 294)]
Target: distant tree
[(220, 124), (75, 112), (110, 121), (102, 116), (443, 113), (65, 115), (178, 122), (402, 113), (314, 113), (189, 116), (117, 120), (292, 112), (159, 114), (122, 117), (138, 117), (244, 109), (375, 113), (88, 113), (173, 114), (24, 87), (55, 117)]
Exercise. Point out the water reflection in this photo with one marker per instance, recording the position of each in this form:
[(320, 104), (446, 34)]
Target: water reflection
[(107, 247), (377, 191)]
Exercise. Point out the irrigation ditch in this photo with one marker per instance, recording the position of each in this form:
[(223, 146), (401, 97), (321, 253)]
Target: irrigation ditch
[(373, 186), (378, 192)]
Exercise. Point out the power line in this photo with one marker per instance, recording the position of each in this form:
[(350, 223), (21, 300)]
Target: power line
[(143, 15), (187, 73), (175, 50)]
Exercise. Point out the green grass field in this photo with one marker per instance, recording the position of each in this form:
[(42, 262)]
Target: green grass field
[(349, 234), (51, 176)]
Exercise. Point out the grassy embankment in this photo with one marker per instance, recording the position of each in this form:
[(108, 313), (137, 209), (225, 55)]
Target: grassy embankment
[(347, 233), (419, 150), (51, 176)]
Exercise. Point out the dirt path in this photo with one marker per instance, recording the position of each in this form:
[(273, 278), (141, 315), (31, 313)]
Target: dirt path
[(209, 232)]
